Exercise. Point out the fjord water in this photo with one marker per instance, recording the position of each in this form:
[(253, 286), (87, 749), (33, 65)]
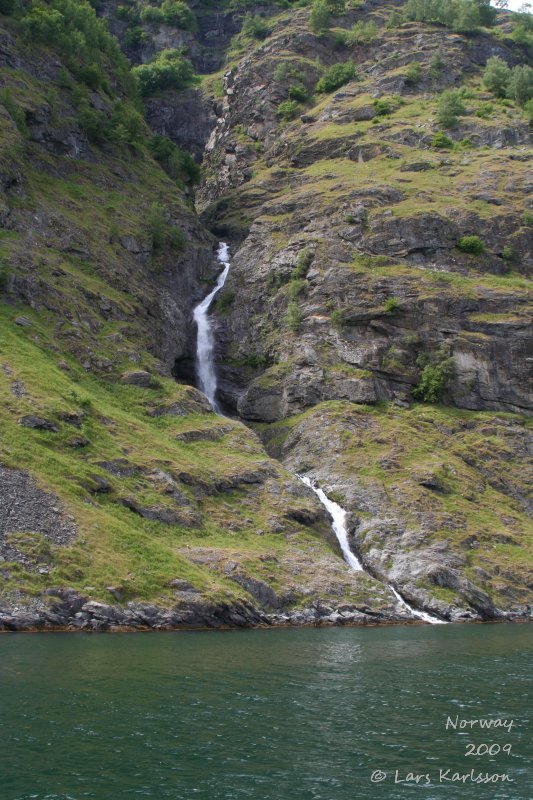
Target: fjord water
[(289, 714)]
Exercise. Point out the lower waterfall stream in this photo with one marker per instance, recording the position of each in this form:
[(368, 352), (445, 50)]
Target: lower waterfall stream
[(207, 383)]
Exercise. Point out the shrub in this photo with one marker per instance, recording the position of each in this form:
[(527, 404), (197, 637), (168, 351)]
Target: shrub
[(391, 304), (153, 14), (433, 379), (303, 262), (337, 319), (288, 109), (255, 27), (522, 32), (451, 107), (441, 141), (169, 70), (496, 76), (320, 16), (413, 72), (463, 16), (336, 76), (471, 244), (179, 15), (287, 69), (294, 317), (384, 106), (520, 85), (394, 20), (509, 253), (298, 93), (296, 287), (527, 219), (360, 33), (7, 7), (435, 66)]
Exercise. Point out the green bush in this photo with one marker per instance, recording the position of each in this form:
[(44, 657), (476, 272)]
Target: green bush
[(169, 70), (296, 287), (394, 20), (71, 28), (509, 253), (441, 141), (471, 244), (337, 319), (360, 33), (298, 93), (7, 7), (435, 66), (288, 109), (391, 305), (178, 15), (303, 262), (496, 76), (320, 16), (520, 85), (434, 377), (450, 107), (522, 32), (336, 76), (463, 16), (527, 219), (286, 70), (413, 72), (384, 106), (153, 15), (294, 317), (255, 27)]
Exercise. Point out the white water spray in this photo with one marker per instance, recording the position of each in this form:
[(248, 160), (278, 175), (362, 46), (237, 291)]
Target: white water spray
[(205, 365), (338, 515)]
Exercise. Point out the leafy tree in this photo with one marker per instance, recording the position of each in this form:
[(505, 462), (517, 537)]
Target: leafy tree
[(520, 85), (496, 76), (336, 76), (179, 15), (169, 70), (413, 72), (450, 107), (437, 369), (320, 16)]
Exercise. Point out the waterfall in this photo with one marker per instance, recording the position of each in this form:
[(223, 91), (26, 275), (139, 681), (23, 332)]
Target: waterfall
[(207, 383), (338, 515), (205, 366)]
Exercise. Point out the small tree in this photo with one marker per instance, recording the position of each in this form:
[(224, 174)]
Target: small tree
[(496, 76), (520, 85), (319, 18), (451, 106), (336, 76)]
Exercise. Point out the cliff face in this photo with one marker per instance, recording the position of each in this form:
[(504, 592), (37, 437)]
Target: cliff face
[(126, 501)]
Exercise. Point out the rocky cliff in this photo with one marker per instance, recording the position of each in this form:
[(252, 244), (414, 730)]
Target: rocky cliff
[(374, 331)]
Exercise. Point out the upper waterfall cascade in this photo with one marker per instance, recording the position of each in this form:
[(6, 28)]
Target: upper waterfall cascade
[(205, 365)]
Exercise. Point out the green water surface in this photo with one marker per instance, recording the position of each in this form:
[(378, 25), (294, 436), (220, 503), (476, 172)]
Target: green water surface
[(308, 714)]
